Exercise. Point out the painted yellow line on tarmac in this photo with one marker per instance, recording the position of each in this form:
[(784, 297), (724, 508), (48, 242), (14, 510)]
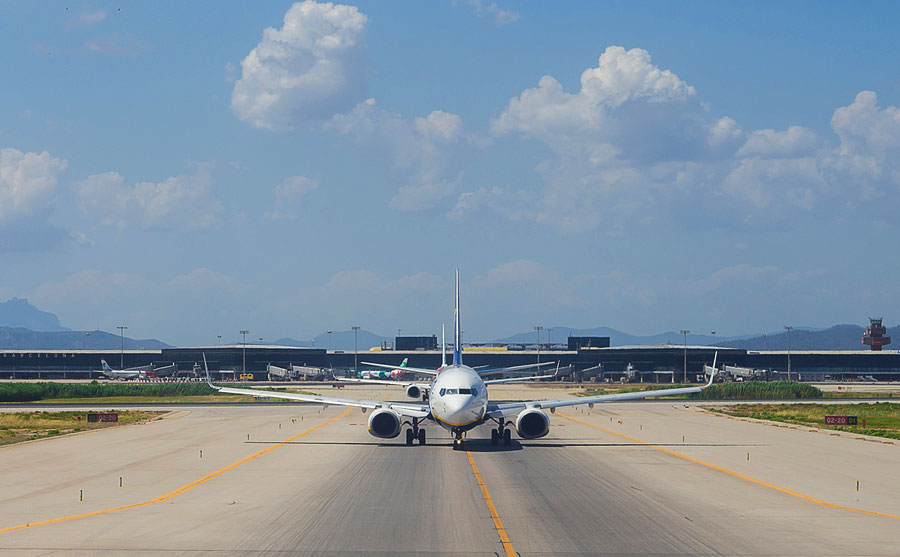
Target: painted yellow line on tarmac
[(182, 489), (757, 481), (501, 531)]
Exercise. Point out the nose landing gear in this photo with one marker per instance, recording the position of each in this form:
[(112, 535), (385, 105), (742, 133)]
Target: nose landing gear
[(458, 438)]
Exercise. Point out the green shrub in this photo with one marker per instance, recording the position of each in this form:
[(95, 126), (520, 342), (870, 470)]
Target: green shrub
[(28, 392), (759, 390)]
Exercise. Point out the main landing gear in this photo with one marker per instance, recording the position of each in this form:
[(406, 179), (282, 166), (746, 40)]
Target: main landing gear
[(415, 433), (501, 433)]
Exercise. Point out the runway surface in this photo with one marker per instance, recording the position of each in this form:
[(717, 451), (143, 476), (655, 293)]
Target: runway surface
[(313, 482)]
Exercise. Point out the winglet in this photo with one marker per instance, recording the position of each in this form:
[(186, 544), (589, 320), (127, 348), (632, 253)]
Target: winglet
[(457, 336), (206, 367), (712, 375)]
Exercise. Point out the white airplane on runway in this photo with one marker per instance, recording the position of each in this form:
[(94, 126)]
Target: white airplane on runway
[(459, 402), (125, 373)]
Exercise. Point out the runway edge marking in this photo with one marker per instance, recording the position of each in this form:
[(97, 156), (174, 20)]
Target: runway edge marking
[(730, 472), (495, 516), (182, 489)]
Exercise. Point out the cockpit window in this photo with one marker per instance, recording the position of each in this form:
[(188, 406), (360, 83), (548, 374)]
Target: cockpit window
[(474, 392), (443, 392), (451, 391), (465, 391)]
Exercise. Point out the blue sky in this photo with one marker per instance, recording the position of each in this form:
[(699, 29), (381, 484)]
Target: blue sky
[(192, 169)]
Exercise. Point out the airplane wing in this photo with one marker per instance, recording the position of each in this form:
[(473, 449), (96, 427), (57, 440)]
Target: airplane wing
[(423, 386), (407, 368), (508, 409), (514, 368), (519, 379), (409, 410)]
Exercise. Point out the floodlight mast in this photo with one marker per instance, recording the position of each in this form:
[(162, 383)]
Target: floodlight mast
[(685, 332)]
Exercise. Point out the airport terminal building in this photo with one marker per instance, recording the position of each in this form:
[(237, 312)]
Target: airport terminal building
[(590, 361)]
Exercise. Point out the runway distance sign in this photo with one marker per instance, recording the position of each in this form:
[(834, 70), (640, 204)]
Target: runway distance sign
[(104, 417), (841, 420)]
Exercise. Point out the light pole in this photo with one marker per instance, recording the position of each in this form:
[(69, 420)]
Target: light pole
[(86, 335), (244, 334), (329, 340), (713, 333), (685, 332), (789, 329), (356, 349), (549, 338), (398, 336), (122, 329), (538, 329), (218, 339)]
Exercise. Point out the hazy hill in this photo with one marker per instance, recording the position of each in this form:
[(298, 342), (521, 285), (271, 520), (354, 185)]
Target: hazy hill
[(839, 337), (19, 338), (340, 340), (616, 338), (17, 312)]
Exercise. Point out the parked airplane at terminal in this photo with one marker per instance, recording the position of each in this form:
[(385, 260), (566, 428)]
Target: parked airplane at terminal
[(395, 373), (459, 402), (125, 373)]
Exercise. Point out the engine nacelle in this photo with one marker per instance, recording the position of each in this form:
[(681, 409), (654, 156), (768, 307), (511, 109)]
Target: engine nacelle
[(532, 423), (384, 423), (413, 391)]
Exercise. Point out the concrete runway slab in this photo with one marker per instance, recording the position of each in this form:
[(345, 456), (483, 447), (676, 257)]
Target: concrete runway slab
[(335, 490)]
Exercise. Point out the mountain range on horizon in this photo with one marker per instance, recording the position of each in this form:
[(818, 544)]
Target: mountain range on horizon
[(23, 326)]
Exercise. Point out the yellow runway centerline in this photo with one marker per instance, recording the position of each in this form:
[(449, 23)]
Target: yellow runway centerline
[(757, 481), (501, 531), (182, 489)]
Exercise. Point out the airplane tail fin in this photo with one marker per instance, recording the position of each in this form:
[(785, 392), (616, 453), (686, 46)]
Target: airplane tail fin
[(457, 336), (105, 365), (403, 363), (443, 347)]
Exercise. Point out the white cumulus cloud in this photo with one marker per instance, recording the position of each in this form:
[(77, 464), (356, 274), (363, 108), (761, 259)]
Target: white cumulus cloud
[(795, 141), (182, 201), (420, 150), (289, 195), (27, 182), (310, 68), (491, 9)]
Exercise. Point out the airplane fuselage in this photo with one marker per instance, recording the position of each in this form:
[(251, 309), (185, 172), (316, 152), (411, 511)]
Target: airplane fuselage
[(458, 398)]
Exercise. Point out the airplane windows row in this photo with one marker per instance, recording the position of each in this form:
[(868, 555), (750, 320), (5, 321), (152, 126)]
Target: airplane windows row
[(443, 392)]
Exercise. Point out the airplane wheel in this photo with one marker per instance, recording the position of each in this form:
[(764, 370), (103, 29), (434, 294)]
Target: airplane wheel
[(507, 437), (409, 437), (495, 437), (421, 436)]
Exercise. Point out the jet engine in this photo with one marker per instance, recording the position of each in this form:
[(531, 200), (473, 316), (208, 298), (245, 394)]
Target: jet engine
[(413, 391), (384, 423), (532, 423)]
